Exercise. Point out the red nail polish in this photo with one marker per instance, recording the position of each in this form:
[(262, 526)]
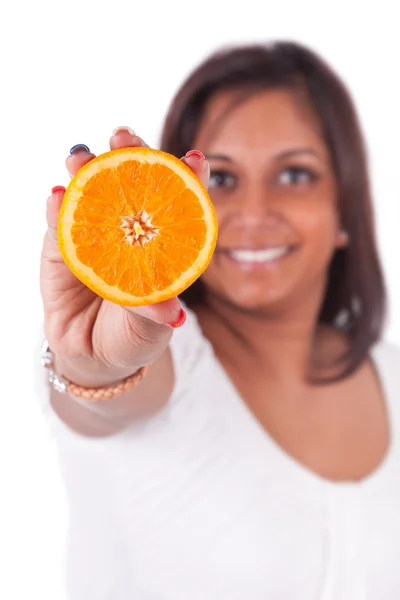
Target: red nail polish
[(179, 322), (196, 153), (58, 188)]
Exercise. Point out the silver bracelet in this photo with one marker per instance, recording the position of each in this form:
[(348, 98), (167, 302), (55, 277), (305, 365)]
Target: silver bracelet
[(60, 384)]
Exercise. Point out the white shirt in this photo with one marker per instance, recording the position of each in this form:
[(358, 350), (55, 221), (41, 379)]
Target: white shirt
[(199, 503)]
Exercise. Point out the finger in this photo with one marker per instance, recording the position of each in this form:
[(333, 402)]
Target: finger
[(50, 242), (56, 279), (79, 155), (125, 137), (196, 161), (168, 313), (54, 202)]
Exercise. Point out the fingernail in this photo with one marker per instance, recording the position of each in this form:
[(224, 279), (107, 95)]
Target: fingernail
[(196, 153), (123, 128), (79, 148), (57, 188), (179, 322)]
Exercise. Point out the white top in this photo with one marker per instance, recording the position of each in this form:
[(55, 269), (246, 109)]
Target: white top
[(199, 503)]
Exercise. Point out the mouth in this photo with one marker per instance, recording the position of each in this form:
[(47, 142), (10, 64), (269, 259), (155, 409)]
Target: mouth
[(260, 257)]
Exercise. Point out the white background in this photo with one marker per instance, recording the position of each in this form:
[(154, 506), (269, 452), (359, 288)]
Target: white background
[(71, 73)]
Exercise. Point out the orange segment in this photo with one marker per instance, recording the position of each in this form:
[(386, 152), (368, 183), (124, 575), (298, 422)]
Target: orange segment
[(137, 226)]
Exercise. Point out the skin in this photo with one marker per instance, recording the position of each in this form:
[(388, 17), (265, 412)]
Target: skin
[(273, 185)]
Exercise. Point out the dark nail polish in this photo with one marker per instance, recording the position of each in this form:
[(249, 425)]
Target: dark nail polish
[(79, 148)]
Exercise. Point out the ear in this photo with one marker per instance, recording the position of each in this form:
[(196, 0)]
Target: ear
[(342, 239)]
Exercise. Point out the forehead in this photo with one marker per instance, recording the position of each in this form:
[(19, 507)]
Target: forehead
[(271, 119)]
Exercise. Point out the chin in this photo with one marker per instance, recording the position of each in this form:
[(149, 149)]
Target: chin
[(258, 303)]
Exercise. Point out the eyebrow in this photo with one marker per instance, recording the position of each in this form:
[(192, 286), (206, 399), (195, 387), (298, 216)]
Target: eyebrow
[(281, 156), (295, 152), (218, 157)]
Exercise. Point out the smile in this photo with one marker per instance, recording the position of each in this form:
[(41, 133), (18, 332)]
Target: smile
[(259, 255), (259, 258)]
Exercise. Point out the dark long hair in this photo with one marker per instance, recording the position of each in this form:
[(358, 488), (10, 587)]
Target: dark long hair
[(355, 292)]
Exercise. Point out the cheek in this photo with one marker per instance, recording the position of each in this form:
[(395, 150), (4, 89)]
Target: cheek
[(317, 223), (215, 275), (223, 210)]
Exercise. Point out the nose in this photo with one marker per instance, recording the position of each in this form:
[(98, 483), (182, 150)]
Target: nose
[(257, 203)]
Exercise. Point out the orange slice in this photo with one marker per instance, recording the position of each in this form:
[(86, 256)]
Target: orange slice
[(136, 226)]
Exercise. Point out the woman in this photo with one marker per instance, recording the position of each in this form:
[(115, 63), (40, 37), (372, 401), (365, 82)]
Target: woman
[(259, 456)]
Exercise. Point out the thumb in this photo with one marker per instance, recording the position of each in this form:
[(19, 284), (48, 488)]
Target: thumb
[(168, 312)]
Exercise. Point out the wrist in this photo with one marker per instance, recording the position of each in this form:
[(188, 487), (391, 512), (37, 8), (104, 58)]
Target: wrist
[(95, 383), (90, 373)]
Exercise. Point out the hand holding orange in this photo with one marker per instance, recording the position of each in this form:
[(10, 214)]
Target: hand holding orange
[(136, 226)]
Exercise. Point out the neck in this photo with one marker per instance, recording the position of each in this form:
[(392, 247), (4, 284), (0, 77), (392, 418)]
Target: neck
[(267, 337)]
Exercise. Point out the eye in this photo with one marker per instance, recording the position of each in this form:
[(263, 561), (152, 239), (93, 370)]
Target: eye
[(221, 179), (297, 176)]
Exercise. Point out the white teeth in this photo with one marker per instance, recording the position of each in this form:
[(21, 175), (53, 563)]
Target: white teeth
[(252, 256)]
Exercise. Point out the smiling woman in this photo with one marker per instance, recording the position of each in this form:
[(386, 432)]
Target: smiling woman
[(259, 456), (286, 151)]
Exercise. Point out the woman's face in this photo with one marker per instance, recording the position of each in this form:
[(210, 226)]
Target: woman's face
[(273, 188)]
